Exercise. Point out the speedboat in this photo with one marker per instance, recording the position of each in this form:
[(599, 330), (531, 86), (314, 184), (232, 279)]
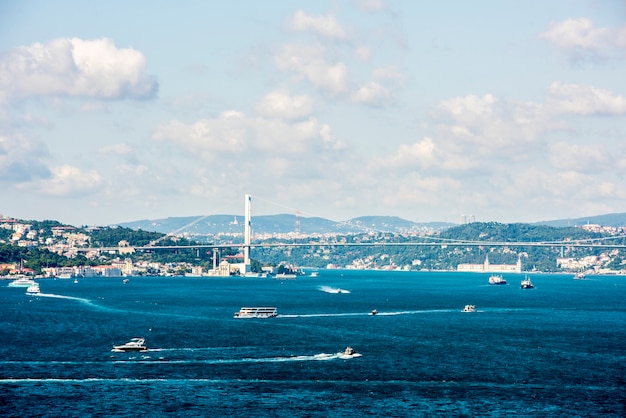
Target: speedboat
[(526, 283), (22, 282), (33, 289), (374, 312), (469, 308), (496, 279), (135, 344), (349, 353)]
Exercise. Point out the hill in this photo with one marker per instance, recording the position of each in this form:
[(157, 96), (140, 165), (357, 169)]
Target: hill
[(282, 224), (611, 219)]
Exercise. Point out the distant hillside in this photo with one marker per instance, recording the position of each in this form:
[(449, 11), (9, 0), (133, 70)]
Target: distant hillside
[(281, 224), (611, 219)]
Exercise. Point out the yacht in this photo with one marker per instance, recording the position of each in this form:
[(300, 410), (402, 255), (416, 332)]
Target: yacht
[(526, 283), (22, 282), (469, 308), (260, 312), (33, 289), (135, 344), (496, 279)]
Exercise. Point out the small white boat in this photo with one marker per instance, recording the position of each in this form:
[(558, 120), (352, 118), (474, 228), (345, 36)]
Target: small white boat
[(22, 282), (287, 276), (579, 276), (135, 344), (469, 308), (33, 289), (374, 312), (349, 353)]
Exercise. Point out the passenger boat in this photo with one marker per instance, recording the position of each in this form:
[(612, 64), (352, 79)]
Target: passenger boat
[(135, 344), (526, 283), (469, 308), (496, 279), (22, 282), (259, 312), (289, 276), (33, 289)]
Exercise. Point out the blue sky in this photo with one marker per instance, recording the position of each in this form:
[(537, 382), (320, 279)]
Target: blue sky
[(118, 111)]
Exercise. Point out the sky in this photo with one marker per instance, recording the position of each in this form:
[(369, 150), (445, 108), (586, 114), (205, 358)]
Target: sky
[(496, 110)]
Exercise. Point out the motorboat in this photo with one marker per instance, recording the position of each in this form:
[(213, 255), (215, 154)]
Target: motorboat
[(258, 312), (22, 282), (125, 281), (285, 276), (349, 352), (496, 279), (469, 308), (135, 344), (526, 283), (33, 289), (374, 312), (579, 276)]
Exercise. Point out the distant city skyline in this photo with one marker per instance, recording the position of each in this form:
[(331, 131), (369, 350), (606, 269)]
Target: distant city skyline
[(429, 111)]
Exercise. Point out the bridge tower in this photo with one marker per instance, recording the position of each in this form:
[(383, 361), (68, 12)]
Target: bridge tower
[(247, 234)]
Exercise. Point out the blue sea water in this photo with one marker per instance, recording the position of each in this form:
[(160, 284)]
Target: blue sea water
[(556, 350)]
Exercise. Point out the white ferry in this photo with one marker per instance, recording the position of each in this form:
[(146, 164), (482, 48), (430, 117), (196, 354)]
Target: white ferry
[(261, 312), (22, 282)]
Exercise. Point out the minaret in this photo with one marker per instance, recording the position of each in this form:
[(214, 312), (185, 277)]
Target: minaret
[(246, 248)]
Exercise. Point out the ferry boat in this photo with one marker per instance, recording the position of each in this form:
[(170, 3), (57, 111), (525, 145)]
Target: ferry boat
[(135, 344), (33, 289), (289, 276), (496, 279), (259, 312), (22, 282), (526, 283), (469, 308)]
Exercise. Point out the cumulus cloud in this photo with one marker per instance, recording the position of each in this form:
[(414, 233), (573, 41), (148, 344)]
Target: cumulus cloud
[(324, 26), (311, 63), (372, 93), (279, 104), (233, 133), (580, 39), (67, 181), (584, 100), (77, 68)]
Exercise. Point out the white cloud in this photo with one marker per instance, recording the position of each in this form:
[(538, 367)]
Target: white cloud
[(580, 158), (373, 94), (325, 26), (233, 133), (584, 100), (75, 67), (581, 39), (311, 63), (67, 181), (22, 159), (279, 104)]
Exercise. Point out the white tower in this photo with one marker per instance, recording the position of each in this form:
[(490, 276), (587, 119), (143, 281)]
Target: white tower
[(247, 233)]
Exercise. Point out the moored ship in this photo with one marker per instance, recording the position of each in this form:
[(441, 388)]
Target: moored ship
[(258, 312)]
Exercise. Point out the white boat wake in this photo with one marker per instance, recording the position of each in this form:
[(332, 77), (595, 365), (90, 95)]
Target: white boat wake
[(329, 289)]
